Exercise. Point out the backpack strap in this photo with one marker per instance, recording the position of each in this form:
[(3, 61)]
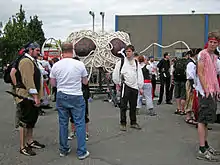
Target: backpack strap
[(136, 65), (190, 60), (122, 63)]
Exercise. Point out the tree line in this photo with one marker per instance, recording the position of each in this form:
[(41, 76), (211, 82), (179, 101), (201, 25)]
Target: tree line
[(17, 32)]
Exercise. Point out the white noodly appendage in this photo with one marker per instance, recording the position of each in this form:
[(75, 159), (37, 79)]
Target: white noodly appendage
[(218, 49), (122, 52), (102, 55), (164, 47)]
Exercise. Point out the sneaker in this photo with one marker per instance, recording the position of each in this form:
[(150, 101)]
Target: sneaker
[(17, 128), (65, 154), (207, 156), (135, 126), (27, 151), (72, 135), (70, 138), (169, 102), (41, 113), (46, 107), (152, 112), (84, 156), (158, 103), (123, 128), (36, 144), (213, 151), (87, 136)]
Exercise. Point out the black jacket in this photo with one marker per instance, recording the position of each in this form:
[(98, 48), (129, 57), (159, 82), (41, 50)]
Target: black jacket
[(164, 67)]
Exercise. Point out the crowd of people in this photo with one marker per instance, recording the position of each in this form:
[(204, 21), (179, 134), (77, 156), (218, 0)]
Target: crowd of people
[(192, 79)]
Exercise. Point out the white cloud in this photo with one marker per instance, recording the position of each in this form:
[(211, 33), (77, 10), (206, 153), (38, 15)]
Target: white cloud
[(61, 17)]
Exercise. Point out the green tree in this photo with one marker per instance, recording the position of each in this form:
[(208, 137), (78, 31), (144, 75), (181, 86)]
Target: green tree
[(59, 42), (35, 30), (15, 35), (18, 32), (48, 45)]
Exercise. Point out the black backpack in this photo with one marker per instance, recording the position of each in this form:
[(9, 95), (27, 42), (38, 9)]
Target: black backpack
[(6, 76), (180, 69), (13, 64)]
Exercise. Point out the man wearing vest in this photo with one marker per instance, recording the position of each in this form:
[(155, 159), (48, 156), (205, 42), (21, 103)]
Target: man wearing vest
[(28, 84), (130, 80), (208, 89), (13, 79)]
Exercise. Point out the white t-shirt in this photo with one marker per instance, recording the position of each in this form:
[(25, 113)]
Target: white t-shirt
[(46, 64), (68, 74), (153, 68)]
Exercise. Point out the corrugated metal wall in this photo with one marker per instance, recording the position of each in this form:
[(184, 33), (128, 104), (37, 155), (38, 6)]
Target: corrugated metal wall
[(166, 29)]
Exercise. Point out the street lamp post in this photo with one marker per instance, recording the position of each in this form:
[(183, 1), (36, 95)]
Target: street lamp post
[(93, 20), (1, 33), (103, 15)]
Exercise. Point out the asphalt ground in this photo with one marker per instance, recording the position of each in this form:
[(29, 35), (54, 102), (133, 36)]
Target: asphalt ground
[(164, 140)]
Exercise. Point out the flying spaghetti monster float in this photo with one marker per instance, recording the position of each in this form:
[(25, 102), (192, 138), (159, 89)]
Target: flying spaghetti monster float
[(99, 52)]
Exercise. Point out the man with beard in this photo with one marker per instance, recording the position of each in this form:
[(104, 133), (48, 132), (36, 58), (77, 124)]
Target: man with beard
[(28, 85)]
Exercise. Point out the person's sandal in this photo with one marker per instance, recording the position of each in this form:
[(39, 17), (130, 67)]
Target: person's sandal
[(182, 113), (177, 111), (191, 121)]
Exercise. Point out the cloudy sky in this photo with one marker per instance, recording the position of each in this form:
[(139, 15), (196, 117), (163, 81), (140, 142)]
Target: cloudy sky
[(61, 17)]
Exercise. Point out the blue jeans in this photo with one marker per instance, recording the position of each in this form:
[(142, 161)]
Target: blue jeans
[(71, 105)]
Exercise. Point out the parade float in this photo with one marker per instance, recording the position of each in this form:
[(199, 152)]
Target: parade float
[(99, 52)]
